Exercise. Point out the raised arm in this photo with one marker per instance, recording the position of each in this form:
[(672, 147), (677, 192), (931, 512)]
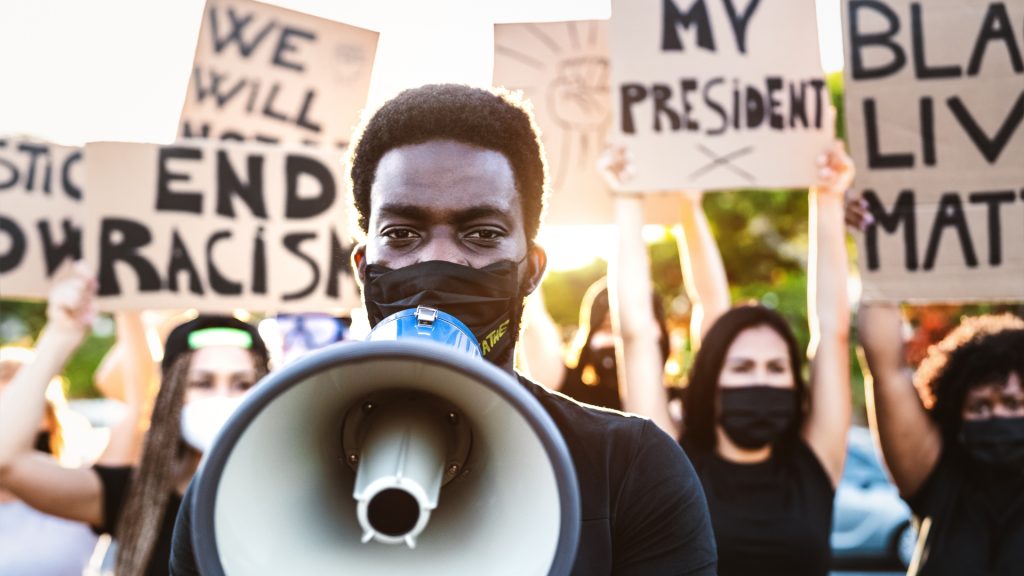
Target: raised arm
[(910, 440), (638, 354), (828, 310), (35, 478), (543, 351), (135, 370), (703, 272)]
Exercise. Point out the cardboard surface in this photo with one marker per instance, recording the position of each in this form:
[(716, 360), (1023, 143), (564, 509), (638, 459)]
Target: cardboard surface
[(935, 115), (263, 73), (40, 214), (562, 68), (218, 226), (718, 95)]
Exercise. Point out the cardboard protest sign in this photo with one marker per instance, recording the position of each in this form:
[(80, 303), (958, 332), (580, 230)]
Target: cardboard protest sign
[(268, 74), (713, 95), (40, 211), (217, 226), (562, 68), (935, 113)]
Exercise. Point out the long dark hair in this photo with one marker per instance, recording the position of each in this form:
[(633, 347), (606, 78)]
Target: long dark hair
[(700, 403), (163, 455)]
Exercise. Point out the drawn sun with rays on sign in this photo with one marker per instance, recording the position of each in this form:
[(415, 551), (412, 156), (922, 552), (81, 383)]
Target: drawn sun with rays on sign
[(562, 67)]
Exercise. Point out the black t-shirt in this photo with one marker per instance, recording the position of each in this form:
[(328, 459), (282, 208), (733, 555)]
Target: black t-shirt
[(643, 510), (770, 518), (116, 481), (972, 518)]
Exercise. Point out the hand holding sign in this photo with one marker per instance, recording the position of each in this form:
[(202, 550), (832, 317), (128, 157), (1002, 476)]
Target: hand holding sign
[(71, 307)]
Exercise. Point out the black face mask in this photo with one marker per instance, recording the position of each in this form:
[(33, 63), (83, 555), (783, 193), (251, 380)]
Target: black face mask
[(42, 443), (487, 300), (755, 416), (995, 441)]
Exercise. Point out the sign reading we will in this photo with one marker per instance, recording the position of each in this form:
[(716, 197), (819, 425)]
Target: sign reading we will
[(263, 73), (562, 68), (724, 94), (935, 112), (218, 226), (40, 206)]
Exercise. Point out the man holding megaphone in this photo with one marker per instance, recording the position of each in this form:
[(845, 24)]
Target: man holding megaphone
[(448, 184)]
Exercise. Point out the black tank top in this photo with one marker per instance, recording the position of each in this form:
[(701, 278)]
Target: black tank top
[(770, 518)]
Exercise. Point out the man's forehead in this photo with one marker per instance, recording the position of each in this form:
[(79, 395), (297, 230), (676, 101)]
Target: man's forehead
[(443, 176)]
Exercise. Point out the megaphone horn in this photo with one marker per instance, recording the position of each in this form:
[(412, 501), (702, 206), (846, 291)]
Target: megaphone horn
[(389, 457)]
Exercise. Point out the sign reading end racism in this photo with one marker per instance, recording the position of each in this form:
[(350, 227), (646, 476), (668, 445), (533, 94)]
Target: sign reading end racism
[(935, 108), (713, 95), (262, 73), (40, 206), (218, 226)]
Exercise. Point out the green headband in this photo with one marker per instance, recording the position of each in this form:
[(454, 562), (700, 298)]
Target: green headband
[(220, 336)]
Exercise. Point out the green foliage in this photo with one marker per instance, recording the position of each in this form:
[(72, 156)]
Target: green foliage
[(21, 323)]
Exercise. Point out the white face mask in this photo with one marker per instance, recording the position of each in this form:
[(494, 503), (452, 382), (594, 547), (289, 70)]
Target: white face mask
[(201, 420)]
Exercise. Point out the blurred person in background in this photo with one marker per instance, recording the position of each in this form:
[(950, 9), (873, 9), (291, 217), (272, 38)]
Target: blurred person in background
[(768, 447), (952, 435), (209, 363), (586, 370), (33, 543)]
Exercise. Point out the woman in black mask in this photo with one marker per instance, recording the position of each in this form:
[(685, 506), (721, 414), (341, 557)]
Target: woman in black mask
[(955, 445), (590, 373), (768, 446)]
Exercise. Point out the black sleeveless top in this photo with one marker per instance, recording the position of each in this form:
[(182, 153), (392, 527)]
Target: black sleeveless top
[(972, 518), (773, 517)]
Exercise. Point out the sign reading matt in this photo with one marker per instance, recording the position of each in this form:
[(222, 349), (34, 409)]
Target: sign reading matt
[(724, 94), (40, 206), (218, 226), (263, 73), (935, 108)]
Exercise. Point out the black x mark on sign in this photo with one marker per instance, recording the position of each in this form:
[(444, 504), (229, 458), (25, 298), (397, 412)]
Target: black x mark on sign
[(723, 161)]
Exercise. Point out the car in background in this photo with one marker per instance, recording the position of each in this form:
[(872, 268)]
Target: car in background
[(870, 522)]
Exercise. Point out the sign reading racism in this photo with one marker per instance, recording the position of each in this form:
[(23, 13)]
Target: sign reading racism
[(267, 74), (219, 226), (713, 95), (40, 206), (562, 68), (935, 108)]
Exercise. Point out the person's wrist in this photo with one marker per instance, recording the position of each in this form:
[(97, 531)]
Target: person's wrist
[(63, 338)]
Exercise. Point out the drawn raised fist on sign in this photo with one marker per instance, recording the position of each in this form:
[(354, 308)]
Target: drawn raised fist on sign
[(578, 96)]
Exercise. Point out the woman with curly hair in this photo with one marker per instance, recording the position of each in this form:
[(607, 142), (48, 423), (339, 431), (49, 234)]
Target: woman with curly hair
[(208, 364), (952, 435)]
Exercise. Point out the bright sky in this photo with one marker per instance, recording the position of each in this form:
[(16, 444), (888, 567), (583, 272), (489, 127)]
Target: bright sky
[(74, 71)]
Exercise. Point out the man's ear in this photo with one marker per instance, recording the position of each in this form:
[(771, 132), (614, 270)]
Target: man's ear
[(537, 263), (359, 263)]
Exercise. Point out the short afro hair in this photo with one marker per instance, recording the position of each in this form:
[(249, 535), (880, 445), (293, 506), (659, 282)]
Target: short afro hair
[(491, 119), (980, 350)]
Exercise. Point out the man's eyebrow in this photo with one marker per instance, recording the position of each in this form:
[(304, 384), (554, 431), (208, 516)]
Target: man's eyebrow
[(418, 212)]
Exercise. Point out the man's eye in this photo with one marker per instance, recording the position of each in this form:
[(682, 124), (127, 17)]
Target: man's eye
[(399, 234), (243, 385), (488, 234), (1011, 403)]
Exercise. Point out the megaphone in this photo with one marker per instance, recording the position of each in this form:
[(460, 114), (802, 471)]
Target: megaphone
[(399, 455)]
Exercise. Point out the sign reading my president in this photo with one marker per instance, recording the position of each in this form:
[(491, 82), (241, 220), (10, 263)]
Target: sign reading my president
[(268, 74), (722, 94), (935, 112), (40, 211), (217, 226)]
